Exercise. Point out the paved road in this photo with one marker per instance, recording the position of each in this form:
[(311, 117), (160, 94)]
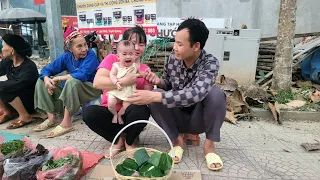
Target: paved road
[(260, 149)]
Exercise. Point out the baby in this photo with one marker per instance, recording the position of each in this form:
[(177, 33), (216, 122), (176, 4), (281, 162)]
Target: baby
[(126, 56)]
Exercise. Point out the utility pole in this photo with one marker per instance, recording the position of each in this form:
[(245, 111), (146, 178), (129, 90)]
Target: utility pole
[(282, 73), (55, 35)]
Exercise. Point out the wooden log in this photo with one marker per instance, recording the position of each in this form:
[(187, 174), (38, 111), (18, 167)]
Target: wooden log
[(271, 46), (270, 43), (151, 61), (162, 54), (266, 52), (267, 83), (159, 66), (262, 64), (264, 44), (264, 68), (266, 56), (158, 59), (266, 60), (267, 48)]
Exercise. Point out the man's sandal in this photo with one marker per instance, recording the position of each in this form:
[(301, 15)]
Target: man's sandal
[(47, 124), (178, 152), (59, 131), (213, 158)]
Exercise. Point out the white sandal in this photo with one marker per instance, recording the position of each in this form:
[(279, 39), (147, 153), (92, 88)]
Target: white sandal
[(47, 124)]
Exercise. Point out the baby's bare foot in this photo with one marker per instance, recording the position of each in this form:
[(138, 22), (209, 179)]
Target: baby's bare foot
[(115, 119), (120, 120)]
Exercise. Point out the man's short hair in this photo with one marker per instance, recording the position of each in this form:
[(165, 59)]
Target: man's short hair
[(198, 31)]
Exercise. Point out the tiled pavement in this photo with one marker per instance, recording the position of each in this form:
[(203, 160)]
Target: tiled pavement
[(260, 149)]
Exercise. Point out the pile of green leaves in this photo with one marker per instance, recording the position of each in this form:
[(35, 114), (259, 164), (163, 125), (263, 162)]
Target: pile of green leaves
[(12, 146), (54, 164), (158, 165)]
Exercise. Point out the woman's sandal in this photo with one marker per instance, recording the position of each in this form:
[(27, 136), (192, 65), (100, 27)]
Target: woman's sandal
[(59, 131), (213, 158), (19, 123), (178, 152), (47, 124), (4, 118), (114, 152)]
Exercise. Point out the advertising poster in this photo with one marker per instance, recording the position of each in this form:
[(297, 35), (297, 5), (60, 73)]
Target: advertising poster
[(115, 16), (69, 21), (167, 27)]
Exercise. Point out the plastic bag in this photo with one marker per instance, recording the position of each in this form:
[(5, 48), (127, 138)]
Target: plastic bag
[(70, 171), (26, 166), (2, 158), (13, 154)]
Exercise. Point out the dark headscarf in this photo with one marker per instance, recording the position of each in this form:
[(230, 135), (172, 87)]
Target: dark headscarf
[(17, 42)]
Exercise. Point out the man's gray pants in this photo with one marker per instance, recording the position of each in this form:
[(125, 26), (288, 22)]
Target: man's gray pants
[(207, 116)]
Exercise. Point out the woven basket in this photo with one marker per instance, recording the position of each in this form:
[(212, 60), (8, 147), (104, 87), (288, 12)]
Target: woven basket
[(119, 158)]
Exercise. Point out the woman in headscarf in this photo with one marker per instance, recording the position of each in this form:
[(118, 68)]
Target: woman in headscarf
[(16, 93), (56, 93)]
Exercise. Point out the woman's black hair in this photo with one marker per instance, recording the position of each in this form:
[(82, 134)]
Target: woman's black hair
[(138, 30)]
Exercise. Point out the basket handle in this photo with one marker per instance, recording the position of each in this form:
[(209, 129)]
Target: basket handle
[(139, 122)]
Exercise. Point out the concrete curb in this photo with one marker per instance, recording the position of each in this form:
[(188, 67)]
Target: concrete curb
[(288, 115)]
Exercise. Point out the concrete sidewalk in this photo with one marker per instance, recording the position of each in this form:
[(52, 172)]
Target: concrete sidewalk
[(250, 150)]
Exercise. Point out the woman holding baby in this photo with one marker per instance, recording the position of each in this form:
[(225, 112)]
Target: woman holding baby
[(104, 119)]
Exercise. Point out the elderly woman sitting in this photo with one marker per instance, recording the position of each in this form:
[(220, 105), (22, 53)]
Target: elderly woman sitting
[(16, 93), (66, 93)]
